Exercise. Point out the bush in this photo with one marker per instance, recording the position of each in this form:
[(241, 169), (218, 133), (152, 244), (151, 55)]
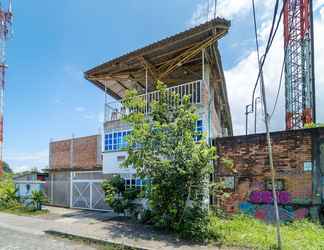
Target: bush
[(8, 196), (37, 199), (195, 225), (120, 199)]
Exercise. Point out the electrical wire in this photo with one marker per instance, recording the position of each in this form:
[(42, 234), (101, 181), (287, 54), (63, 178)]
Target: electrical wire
[(273, 32), (279, 88)]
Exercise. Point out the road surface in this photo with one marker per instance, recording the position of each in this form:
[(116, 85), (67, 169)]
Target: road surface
[(16, 240)]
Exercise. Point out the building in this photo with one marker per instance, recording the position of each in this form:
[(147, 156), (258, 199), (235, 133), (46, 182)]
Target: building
[(75, 173), (299, 163), (28, 182), (189, 63)]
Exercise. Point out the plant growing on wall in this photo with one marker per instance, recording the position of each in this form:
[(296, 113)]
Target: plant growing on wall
[(162, 147)]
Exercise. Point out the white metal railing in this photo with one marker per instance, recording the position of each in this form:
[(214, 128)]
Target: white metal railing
[(115, 110)]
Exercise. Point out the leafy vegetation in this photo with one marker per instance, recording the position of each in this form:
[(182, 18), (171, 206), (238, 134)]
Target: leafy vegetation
[(10, 202), (244, 231), (6, 168), (120, 199), (314, 125), (37, 199), (162, 148), (8, 197)]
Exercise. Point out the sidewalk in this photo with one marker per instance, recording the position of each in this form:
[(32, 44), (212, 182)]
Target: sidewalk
[(138, 236)]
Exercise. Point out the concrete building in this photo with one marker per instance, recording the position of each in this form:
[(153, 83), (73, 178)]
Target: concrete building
[(28, 182), (189, 63), (75, 173)]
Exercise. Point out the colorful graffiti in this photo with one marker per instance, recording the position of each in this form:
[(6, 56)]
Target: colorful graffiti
[(267, 197), (260, 205), (266, 212)]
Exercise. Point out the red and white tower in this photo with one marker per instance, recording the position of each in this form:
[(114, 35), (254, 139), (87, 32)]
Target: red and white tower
[(299, 63), (5, 27)]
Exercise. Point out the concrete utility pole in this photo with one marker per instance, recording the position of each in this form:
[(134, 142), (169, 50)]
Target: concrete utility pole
[(267, 122), (273, 172)]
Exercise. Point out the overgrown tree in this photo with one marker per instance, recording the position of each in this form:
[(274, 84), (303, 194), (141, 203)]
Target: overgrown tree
[(163, 149), (6, 168)]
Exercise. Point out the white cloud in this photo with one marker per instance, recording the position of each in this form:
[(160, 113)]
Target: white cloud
[(23, 161), (229, 9), (241, 76)]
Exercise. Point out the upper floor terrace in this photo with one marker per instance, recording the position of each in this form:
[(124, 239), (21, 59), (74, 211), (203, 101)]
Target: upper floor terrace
[(115, 110)]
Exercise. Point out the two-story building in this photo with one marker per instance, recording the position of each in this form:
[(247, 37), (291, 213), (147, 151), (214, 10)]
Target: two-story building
[(189, 63)]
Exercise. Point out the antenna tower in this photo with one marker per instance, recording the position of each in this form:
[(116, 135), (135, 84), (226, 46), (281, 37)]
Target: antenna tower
[(5, 31), (299, 63)]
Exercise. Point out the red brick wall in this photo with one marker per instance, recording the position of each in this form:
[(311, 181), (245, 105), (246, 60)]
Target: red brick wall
[(79, 153), (250, 157)]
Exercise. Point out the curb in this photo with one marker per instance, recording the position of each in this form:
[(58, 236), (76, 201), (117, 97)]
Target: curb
[(92, 240)]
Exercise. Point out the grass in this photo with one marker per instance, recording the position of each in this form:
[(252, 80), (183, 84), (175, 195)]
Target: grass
[(244, 231), (23, 211)]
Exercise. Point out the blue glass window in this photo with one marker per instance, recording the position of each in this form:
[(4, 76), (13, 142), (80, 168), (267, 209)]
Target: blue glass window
[(199, 130), (134, 182), (116, 141)]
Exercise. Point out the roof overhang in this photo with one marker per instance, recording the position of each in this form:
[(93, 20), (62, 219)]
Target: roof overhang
[(175, 59)]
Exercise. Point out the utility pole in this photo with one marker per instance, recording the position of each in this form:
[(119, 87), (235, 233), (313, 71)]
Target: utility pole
[(255, 113), (247, 112), (273, 172), (267, 122)]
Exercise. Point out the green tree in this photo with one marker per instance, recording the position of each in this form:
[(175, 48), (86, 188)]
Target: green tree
[(162, 148), (6, 168)]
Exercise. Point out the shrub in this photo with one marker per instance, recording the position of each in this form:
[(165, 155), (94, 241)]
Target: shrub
[(120, 199), (37, 199), (8, 193)]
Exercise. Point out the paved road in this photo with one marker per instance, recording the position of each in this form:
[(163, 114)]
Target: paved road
[(17, 240)]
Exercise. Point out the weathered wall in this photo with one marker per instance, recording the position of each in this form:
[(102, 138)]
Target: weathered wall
[(294, 163), (78, 153), (59, 188)]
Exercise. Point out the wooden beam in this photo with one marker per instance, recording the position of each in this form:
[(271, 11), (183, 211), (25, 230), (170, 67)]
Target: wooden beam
[(151, 68)]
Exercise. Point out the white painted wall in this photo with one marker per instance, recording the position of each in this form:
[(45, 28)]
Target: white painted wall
[(111, 165)]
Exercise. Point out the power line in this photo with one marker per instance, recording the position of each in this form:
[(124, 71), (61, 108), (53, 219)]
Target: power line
[(273, 32), (279, 88)]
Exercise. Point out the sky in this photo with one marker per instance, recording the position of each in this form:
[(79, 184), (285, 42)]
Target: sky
[(54, 42)]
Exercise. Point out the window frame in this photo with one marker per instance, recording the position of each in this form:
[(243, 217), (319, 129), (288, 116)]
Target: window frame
[(115, 141)]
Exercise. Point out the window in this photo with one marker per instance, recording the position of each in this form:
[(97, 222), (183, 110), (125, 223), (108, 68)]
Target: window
[(116, 141), (279, 184), (134, 182), (199, 130), (308, 166)]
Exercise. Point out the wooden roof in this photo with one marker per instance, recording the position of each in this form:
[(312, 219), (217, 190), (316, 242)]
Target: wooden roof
[(176, 59)]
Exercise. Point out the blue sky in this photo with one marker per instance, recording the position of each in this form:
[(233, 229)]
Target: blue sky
[(54, 42)]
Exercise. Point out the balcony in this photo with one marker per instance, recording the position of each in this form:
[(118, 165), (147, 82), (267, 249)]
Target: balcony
[(115, 110)]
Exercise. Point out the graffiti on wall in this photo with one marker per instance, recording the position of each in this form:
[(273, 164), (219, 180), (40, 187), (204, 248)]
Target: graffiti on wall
[(260, 205)]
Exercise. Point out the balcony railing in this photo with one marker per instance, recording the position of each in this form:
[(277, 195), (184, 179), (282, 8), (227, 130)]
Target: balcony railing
[(115, 110)]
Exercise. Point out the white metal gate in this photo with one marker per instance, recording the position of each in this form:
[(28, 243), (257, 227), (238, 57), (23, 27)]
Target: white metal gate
[(86, 191)]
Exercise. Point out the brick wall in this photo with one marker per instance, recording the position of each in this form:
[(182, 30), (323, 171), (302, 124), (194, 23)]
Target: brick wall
[(293, 161), (78, 154)]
